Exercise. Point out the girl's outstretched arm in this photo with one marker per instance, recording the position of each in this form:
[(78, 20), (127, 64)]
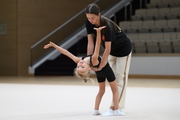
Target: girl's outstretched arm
[(63, 51), (97, 46)]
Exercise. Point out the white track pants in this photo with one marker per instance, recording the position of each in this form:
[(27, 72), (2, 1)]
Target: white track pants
[(120, 66)]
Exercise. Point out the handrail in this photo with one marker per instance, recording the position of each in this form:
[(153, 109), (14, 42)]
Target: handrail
[(61, 26), (35, 46), (71, 41)]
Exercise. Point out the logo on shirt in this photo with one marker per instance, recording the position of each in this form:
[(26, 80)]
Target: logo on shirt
[(103, 37)]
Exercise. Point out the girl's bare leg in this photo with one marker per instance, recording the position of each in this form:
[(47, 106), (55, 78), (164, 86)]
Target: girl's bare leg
[(99, 98)]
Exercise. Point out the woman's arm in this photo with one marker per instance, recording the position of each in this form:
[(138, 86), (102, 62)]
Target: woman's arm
[(97, 47), (90, 45), (63, 51), (105, 55)]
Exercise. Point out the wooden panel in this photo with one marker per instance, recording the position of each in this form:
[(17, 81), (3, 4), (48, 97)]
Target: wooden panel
[(8, 44)]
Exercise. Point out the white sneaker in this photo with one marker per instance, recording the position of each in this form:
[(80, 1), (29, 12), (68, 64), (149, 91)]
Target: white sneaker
[(122, 111), (96, 112), (118, 113), (109, 112)]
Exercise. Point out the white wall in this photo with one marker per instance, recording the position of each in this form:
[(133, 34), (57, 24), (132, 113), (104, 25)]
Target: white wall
[(155, 65)]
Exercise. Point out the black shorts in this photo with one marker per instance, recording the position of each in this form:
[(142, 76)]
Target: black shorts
[(105, 73)]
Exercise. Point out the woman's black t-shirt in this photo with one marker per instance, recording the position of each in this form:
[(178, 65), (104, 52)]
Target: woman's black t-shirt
[(121, 44)]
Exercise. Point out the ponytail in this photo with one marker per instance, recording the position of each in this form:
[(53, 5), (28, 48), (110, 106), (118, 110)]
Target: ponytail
[(109, 20)]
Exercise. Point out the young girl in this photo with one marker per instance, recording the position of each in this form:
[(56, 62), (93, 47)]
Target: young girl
[(117, 49), (84, 66)]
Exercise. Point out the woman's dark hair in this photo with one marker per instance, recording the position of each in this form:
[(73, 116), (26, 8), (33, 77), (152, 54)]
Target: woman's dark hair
[(92, 9), (105, 22)]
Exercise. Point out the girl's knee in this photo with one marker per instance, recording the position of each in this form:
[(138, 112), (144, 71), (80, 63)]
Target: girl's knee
[(101, 92)]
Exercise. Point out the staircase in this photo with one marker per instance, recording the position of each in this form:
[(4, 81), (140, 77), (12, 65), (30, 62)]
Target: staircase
[(62, 65)]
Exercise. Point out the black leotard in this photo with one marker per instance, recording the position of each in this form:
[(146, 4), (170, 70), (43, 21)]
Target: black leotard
[(105, 73)]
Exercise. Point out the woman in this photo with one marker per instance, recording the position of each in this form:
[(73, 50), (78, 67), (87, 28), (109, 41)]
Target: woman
[(117, 49), (84, 66)]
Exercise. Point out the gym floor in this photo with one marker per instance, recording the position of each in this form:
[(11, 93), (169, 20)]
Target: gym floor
[(68, 98)]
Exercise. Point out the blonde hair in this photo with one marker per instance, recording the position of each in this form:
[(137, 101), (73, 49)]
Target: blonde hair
[(84, 76)]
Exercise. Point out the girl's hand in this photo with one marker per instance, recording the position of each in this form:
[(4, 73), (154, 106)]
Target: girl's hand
[(99, 28), (48, 45)]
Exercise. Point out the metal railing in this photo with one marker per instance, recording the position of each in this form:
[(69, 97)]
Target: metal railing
[(56, 36), (60, 34)]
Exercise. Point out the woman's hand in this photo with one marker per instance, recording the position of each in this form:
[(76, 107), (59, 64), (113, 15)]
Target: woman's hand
[(48, 45), (94, 69), (102, 65)]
